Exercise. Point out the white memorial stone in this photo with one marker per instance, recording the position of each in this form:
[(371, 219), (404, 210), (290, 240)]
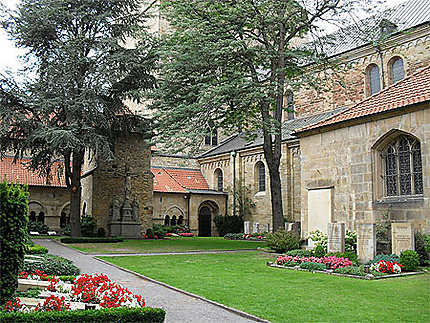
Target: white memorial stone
[(336, 237), (402, 237), (34, 233), (366, 242), (256, 228), (246, 227)]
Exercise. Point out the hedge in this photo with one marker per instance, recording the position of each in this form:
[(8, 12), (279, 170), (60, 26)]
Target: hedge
[(13, 231), (36, 250), (120, 314), (52, 265), (90, 240)]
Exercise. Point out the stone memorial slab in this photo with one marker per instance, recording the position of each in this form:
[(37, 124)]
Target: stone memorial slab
[(246, 227), (256, 228), (34, 233), (336, 237), (402, 237), (293, 227), (52, 233), (366, 241)]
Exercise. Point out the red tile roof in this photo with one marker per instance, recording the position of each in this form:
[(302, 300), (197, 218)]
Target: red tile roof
[(18, 173), (178, 180), (411, 90)]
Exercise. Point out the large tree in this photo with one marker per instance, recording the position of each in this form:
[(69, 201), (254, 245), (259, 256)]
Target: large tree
[(231, 64), (84, 59)]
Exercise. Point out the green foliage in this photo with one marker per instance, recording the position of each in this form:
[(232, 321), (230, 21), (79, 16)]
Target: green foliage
[(150, 233), (422, 247), (65, 278), (312, 266), (350, 241), (228, 224), (390, 258), (88, 226), (91, 240), (351, 270), (121, 314), (319, 251), (32, 292), (410, 260), (13, 231), (351, 255), (101, 232), (282, 241), (159, 230), (177, 229), (36, 250), (320, 239), (40, 227), (299, 253), (244, 201), (52, 265)]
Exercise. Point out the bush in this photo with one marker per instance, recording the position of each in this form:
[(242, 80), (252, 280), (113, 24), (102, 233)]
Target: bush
[(52, 265), (159, 231), (422, 247), (351, 270), (121, 314), (38, 227), (101, 232), (228, 224), (88, 226), (410, 260), (90, 240), (149, 233), (177, 229), (350, 241), (312, 266), (299, 253), (391, 258), (13, 230), (319, 251), (282, 241), (36, 250), (351, 255)]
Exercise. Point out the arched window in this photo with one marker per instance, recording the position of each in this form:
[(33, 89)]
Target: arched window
[(173, 222), (261, 176), (374, 79), (32, 216), (167, 220), (41, 217), (219, 180), (180, 220), (402, 167), (84, 209), (397, 69)]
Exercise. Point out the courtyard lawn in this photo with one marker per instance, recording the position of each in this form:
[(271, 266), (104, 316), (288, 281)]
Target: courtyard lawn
[(167, 245), (243, 281)]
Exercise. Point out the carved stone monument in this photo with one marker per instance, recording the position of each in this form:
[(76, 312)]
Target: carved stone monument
[(366, 241), (402, 237), (246, 227), (336, 237), (124, 220), (256, 228), (293, 227)]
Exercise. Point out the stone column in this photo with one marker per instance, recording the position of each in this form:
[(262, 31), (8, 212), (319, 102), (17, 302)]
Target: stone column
[(402, 237), (336, 237), (246, 227), (366, 241)]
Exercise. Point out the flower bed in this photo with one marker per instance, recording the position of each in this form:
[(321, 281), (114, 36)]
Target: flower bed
[(331, 262), (180, 234), (242, 236)]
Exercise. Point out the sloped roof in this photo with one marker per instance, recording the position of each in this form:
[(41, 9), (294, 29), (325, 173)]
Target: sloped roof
[(240, 141), (18, 173), (411, 90), (405, 16), (178, 180)]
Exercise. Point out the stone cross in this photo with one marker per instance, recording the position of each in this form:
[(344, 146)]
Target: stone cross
[(402, 237), (336, 237), (246, 227), (366, 241)]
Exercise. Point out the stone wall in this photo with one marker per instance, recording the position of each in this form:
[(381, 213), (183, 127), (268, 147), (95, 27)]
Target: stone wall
[(344, 159), (412, 47), (109, 180), (51, 201)]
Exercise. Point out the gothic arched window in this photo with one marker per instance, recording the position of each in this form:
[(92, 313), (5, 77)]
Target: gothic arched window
[(397, 69), (261, 176), (374, 79), (167, 220), (403, 167)]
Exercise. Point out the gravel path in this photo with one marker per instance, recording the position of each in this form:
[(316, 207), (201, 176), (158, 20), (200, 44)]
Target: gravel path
[(178, 307)]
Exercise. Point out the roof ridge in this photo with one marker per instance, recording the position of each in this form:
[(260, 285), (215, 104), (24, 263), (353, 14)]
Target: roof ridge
[(227, 140), (174, 179)]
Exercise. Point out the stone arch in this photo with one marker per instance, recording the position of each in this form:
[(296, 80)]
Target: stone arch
[(373, 79), (206, 213), (260, 176), (391, 69), (65, 215), (218, 180), (37, 211)]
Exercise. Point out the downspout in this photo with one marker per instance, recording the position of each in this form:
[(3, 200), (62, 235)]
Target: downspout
[(381, 59), (188, 209)]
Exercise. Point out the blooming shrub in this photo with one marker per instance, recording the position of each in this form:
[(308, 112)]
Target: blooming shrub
[(186, 234), (387, 267), (12, 306), (37, 275), (241, 236), (331, 262), (53, 303)]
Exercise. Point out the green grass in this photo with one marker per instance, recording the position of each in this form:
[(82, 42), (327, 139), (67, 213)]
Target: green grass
[(243, 281), (167, 245)]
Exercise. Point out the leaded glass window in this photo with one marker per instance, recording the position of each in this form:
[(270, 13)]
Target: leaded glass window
[(374, 79), (220, 180), (403, 167), (261, 177), (397, 70)]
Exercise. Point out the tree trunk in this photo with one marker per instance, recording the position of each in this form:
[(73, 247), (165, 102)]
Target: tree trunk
[(75, 193), (276, 195)]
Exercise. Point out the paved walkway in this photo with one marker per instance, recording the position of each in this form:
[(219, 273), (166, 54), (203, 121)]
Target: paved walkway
[(178, 307)]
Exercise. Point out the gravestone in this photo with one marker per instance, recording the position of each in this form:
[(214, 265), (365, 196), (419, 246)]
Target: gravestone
[(266, 227), (402, 237), (246, 227), (366, 241), (336, 237), (293, 227), (124, 219), (256, 227)]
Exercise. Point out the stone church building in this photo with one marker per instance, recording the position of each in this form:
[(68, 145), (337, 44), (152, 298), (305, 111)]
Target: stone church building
[(354, 154)]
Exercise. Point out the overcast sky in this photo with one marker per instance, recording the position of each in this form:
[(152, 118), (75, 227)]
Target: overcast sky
[(9, 54)]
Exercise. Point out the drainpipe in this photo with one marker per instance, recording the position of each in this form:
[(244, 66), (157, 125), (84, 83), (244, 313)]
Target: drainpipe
[(188, 197), (381, 59), (233, 154)]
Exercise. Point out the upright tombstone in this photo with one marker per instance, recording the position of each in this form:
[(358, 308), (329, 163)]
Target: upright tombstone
[(336, 237), (366, 241), (293, 227), (256, 227), (402, 237), (246, 227)]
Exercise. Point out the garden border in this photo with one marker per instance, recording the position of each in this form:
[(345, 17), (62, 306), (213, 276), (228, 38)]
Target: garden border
[(270, 264), (230, 309)]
